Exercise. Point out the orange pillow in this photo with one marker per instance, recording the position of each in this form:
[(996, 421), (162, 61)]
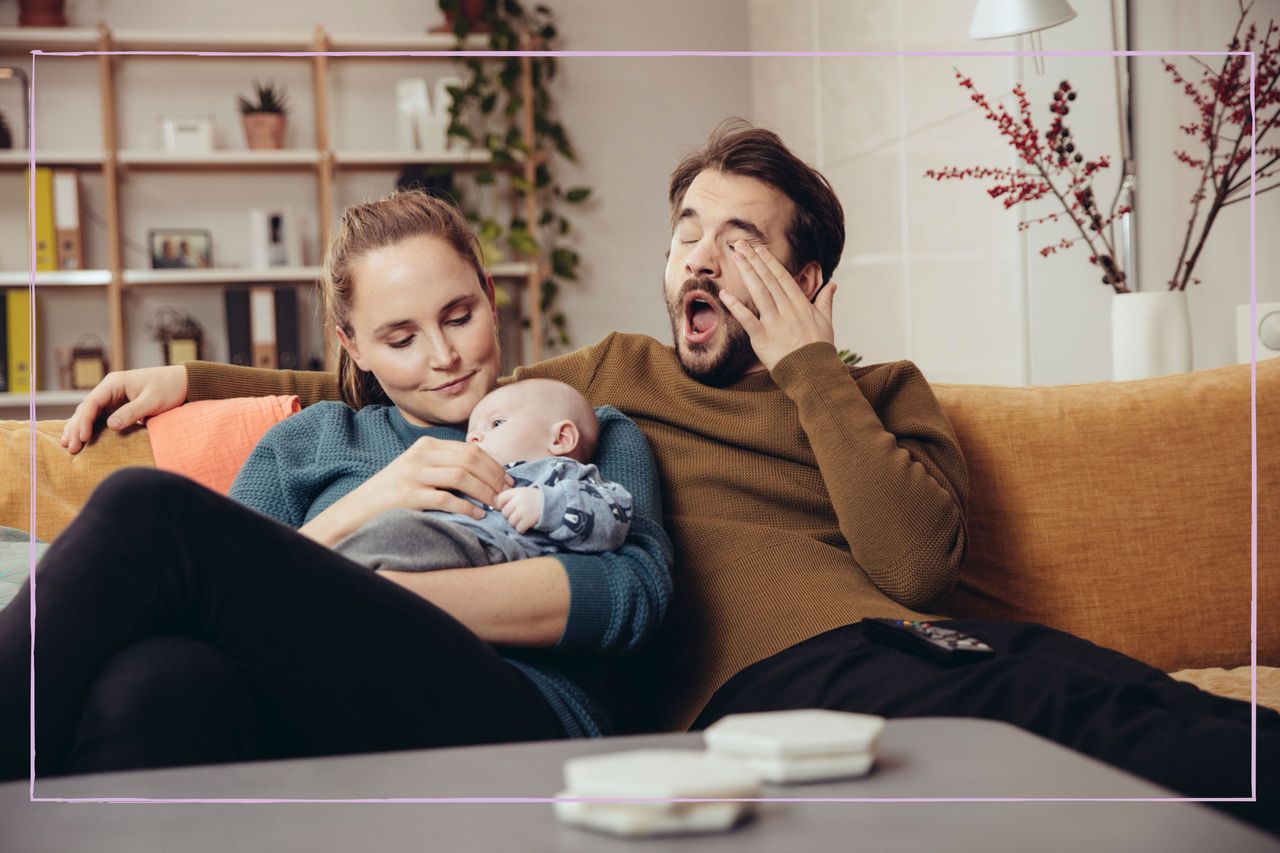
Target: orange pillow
[(209, 440)]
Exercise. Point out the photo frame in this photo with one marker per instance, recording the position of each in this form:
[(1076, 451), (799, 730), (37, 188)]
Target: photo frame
[(180, 248)]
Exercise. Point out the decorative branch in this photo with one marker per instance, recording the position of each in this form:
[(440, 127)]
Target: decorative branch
[(1225, 127)]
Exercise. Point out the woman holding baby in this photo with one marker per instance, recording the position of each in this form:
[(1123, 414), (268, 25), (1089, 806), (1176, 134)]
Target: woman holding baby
[(176, 626)]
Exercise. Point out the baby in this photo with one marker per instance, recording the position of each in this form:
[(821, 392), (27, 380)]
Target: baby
[(544, 433)]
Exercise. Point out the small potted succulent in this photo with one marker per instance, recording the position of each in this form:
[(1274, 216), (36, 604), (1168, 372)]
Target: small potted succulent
[(264, 115)]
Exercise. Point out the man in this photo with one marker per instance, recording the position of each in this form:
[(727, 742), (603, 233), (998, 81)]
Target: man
[(802, 496)]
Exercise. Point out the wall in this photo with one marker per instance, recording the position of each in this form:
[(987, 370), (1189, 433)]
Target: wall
[(630, 119), (937, 272)]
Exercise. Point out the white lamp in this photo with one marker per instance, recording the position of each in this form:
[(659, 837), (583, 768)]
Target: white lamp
[(993, 19)]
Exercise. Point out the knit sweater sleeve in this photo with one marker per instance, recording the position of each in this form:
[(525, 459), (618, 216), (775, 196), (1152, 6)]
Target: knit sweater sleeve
[(278, 479), (892, 466), (617, 598), (577, 368), (208, 380)]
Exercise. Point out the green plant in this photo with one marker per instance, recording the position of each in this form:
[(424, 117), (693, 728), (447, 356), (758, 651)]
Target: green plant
[(848, 357), (486, 113), (269, 98)]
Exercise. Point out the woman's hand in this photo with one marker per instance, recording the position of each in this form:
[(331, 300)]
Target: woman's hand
[(423, 477), (147, 390), (788, 320)]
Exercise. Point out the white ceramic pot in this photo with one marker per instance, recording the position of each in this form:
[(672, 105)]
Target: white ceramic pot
[(1150, 334)]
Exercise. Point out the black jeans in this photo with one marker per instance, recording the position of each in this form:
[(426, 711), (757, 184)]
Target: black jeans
[(175, 626), (1098, 701)]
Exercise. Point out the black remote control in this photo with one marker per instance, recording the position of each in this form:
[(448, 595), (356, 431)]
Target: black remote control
[(943, 645)]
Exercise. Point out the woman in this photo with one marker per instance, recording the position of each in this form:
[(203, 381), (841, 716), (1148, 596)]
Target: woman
[(177, 626)]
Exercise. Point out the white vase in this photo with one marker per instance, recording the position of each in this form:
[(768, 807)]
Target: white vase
[(1150, 334)]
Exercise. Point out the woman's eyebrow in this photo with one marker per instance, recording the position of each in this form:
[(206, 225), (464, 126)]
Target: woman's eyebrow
[(390, 326)]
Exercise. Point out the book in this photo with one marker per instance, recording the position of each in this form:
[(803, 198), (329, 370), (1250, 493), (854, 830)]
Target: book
[(288, 356), (239, 349), (262, 325), (46, 233), (21, 371), (4, 344), (66, 216)]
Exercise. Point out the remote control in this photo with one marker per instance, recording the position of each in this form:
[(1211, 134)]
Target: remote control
[(943, 645)]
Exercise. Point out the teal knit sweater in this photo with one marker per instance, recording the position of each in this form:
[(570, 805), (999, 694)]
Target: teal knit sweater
[(308, 461)]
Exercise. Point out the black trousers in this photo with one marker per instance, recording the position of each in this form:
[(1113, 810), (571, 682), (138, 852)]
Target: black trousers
[(1098, 701), (174, 626)]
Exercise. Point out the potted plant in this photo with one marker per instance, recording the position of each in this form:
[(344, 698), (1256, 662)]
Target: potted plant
[(1151, 333), (264, 115)]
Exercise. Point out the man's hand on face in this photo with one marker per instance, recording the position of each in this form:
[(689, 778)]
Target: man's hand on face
[(787, 319)]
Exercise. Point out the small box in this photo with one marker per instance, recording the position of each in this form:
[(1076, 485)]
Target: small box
[(188, 135)]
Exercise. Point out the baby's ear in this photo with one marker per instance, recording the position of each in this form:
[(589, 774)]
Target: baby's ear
[(564, 438)]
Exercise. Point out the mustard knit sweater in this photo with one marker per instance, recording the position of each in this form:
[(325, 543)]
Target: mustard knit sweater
[(798, 500)]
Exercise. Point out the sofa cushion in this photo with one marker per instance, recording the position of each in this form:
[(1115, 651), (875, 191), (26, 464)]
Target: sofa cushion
[(1121, 512), (63, 481), (209, 440), (1236, 683)]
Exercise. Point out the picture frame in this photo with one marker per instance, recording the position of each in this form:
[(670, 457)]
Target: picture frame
[(180, 248)]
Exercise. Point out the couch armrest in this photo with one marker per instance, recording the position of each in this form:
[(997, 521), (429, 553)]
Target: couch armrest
[(63, 481)]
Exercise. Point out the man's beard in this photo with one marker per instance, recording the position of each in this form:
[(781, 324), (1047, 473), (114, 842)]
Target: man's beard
[(703, 362)]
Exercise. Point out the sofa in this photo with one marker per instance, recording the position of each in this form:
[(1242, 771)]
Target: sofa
[(1120, 512)]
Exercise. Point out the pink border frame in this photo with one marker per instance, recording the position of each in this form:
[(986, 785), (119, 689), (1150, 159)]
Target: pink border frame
[(1253, 411)]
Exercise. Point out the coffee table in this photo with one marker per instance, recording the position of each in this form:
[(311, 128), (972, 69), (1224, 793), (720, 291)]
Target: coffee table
[(939, 758)]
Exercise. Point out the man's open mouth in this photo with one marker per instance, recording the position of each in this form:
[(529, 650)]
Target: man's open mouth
[(701, 317)]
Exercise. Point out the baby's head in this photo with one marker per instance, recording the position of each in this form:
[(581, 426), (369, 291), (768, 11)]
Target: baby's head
[(532, 419)]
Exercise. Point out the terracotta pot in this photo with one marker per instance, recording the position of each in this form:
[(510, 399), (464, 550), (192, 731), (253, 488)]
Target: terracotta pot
[(42, 13), (264, 130), (472, 10)]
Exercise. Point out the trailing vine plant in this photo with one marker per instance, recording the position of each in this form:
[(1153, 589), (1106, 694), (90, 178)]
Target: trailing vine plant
[(486, 114)]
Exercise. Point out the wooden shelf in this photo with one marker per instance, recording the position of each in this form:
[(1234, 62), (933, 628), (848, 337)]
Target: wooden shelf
[(425, 43), (43, 398), (66, 39), (228, 160), (27, 39), (59, 278), (391, 159), (20, 159), (513, 269), (322, 163), (225, 275)]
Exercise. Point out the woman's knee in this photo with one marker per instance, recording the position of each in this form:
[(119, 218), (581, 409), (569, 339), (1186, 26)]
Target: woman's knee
[(129, 487), (166, 701)]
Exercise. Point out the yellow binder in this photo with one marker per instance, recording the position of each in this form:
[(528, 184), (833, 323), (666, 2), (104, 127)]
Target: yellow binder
[(46, 230), (22, 374)]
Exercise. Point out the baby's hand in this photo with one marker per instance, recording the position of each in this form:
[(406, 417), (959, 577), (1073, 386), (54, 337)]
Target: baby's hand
[(522, 506)]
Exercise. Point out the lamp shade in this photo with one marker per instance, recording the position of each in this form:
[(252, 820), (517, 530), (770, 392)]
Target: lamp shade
[(998, 18)]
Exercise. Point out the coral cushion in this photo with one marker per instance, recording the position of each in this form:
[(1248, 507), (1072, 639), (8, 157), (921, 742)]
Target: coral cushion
[(209, 440)]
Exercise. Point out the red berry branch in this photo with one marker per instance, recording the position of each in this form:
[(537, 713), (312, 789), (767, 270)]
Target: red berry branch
[(1051, 165), (1224, 127)]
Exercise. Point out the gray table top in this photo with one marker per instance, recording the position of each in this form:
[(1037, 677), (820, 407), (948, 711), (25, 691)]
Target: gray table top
[(921, 758)]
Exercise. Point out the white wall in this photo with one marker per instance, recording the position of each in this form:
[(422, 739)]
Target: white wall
[(630, 120), (938, 271)]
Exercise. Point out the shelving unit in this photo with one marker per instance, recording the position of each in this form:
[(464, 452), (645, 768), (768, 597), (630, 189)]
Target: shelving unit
[(322, 161)]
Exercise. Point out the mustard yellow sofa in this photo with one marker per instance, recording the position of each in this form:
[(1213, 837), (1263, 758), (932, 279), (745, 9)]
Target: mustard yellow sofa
[(1120, 512)]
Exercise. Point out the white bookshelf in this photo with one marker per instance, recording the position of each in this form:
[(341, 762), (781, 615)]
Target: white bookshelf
[(69, 39), (22, 400), (58, 278), (392, 159), (227, 275), (20, 159), (303, 158)]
